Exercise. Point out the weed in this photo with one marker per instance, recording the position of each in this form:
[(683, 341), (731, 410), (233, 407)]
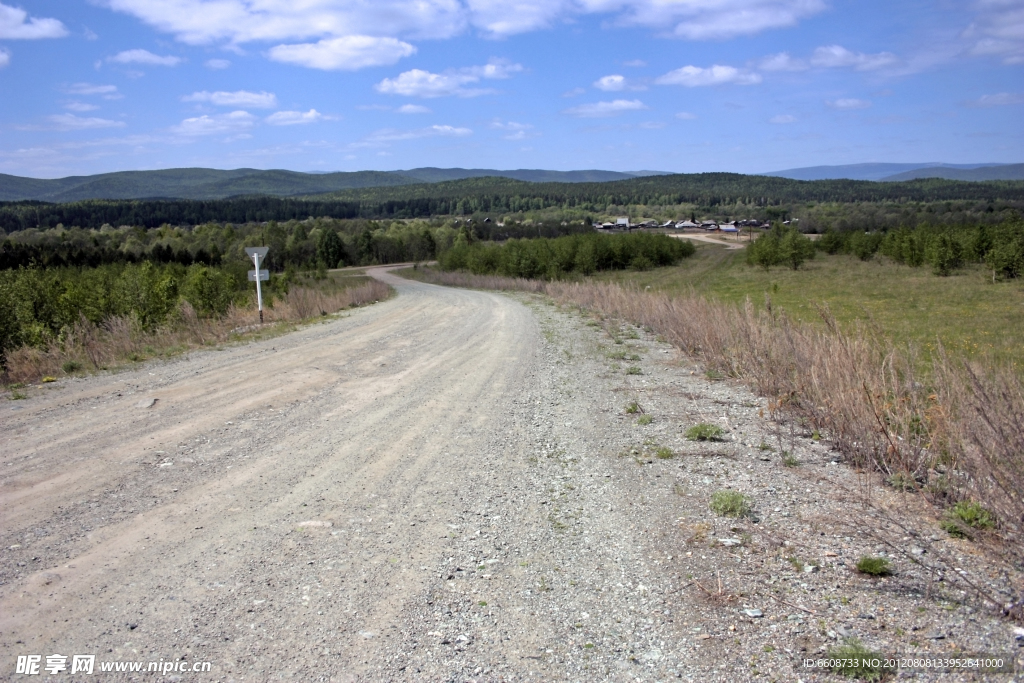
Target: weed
[(588, 646), (789, 460), (17, 395), (730, 503), (70, 366), (764, 447), (798, 565), (633, 407), (634, 357), (617, 355), (816, 435), (714, 374), (967, 515), (645, 420), (704, 432), (854, 660), (874, 566), (482, 603), (665, 453), (902, 481), (634, 370)]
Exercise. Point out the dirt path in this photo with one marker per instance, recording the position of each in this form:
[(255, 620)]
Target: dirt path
[(440, 487), (710, 240)]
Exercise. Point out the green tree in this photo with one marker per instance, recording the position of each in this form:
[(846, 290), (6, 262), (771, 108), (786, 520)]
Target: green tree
[(329, 249)]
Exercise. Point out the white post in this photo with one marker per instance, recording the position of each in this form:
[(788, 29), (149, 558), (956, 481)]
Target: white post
[(259, 291)]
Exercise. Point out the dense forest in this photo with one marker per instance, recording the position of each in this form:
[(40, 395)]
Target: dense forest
[(820, 203)]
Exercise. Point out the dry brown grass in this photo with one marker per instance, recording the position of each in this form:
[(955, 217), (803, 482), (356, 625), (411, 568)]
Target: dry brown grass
[(89, 347), (955, 434)]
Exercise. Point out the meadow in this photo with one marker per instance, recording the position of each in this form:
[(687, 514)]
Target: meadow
[(966, 311)]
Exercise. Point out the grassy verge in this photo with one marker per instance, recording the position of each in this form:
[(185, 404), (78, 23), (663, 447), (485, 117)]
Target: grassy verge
[(966, 311), (88, 347)]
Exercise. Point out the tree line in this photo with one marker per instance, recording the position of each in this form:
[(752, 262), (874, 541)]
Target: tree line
[(491, 195)]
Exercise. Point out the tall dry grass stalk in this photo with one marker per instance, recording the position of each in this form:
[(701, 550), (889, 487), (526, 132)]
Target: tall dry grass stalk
[(88, 346), (955, 433)]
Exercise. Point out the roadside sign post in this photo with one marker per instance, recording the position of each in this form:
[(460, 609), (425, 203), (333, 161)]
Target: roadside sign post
[(257, 253)]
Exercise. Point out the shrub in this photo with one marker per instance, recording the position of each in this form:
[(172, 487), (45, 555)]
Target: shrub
[(633, 407), (704, 432), (634, 370), (665, 453), (853, 660), (645, 420), (966, 515), (730, 503), (874, 566)]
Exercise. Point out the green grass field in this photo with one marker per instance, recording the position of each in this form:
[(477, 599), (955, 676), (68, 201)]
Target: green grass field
[(966, 311)]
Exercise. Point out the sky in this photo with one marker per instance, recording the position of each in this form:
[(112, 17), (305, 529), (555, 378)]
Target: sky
[(747, 86)]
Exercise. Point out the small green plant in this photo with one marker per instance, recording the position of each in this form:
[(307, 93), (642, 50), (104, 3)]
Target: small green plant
[(714, 374), (645, 420), (482, 603), (967, 515), (789, 460), (617, 355), (798, 564), (17, 395), (634, 370), (588, 646), (853, 660), (633, 357), (665, 453), (816, 435), (633, 408), (730, 503), (902, 481), (764, 447), (874, 566), (704, 432), (70, 366)]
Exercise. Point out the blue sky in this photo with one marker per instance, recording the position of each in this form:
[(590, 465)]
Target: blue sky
[(676, 85)]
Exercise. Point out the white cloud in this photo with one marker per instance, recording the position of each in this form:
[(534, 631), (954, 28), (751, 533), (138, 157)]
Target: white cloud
[(144, 57), (694, 76), (108, 91), (516, 131), (781, 62), (390, 135), (72, 122), (635, 63), (998, 30), (80, 106), (235, 22), (5, 58), (346, 53), (235, 122), (686, 116), (15, 24), (782, 118), (849, 103), (413, 109), (616, 83), (217, 64), (603, 109), (833, 56), (291, 118), (710, 19), (420, 83), (1000, 99), (239, 98)]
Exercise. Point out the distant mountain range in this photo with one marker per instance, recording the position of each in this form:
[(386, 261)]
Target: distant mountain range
[(897, 172), (207, 183)]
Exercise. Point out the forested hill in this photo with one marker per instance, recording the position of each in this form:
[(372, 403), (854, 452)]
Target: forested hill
[(704, 191), (209, 183)]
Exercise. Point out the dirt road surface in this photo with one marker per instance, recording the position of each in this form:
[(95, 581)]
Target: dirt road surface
[(722, 242), (440, 487)]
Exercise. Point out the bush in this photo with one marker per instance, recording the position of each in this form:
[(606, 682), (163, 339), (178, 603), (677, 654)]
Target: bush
[(782, 245), (704, 432), (874, 566), (730, 504), (964, 516), (852, 659)]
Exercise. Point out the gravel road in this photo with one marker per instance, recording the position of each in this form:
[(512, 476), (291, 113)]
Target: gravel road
[(440, 487)]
